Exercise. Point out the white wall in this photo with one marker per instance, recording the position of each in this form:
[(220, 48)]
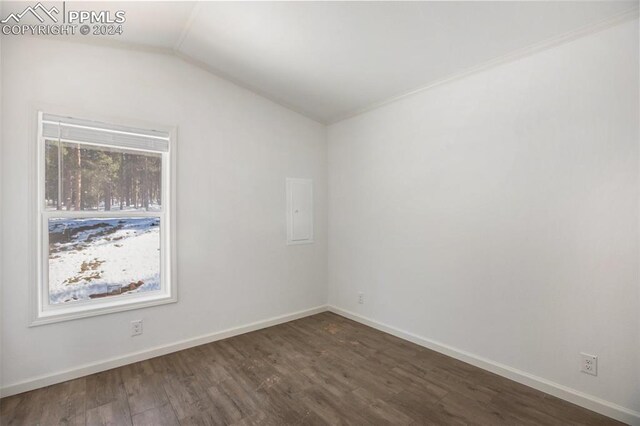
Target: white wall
[(235, 150), (498, 214)]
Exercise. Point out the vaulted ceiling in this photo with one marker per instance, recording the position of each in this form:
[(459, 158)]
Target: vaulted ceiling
[(330, 60)]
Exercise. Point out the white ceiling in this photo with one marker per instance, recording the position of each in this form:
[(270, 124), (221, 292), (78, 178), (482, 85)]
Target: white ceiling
[(330, 60)]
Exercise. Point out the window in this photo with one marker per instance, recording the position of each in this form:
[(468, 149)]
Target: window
[(105, 218)]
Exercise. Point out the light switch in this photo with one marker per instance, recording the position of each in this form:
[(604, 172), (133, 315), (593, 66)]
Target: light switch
[(299, 211)]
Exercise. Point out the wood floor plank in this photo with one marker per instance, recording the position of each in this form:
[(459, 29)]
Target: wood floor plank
[(65, 404), (9, 408), (162, 415), (145, 392), (28, 410), (113, 413), (184, 394), (104, 387), (319, 370)]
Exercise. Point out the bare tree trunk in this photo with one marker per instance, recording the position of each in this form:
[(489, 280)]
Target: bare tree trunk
[(128, 179), (122, 183), (145, 185), (66, 183), (59, 177), (107, 197), (134, 193), (78, 178)]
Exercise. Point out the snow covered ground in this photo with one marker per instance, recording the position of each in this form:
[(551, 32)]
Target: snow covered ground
[(102, 257)]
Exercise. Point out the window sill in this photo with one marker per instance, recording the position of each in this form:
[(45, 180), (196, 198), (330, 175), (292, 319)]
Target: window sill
[(77, 312)]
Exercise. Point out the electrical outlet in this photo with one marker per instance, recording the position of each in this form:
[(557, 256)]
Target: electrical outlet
[(136, 328), (361, 298), (589, 364)]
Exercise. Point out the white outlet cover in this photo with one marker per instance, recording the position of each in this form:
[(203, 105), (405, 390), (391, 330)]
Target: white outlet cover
[(136, 328), (589, 364)]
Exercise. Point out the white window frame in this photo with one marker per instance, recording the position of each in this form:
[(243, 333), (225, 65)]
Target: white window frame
[(45, 313)]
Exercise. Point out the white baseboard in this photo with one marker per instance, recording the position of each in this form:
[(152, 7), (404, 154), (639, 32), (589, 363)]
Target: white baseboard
[(107, 364), (582, 399)]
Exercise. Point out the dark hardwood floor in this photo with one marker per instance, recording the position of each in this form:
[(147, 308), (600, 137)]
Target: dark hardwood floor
[(323, 369)]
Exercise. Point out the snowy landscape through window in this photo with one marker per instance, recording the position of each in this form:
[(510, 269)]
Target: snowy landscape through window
[(102, 257)]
